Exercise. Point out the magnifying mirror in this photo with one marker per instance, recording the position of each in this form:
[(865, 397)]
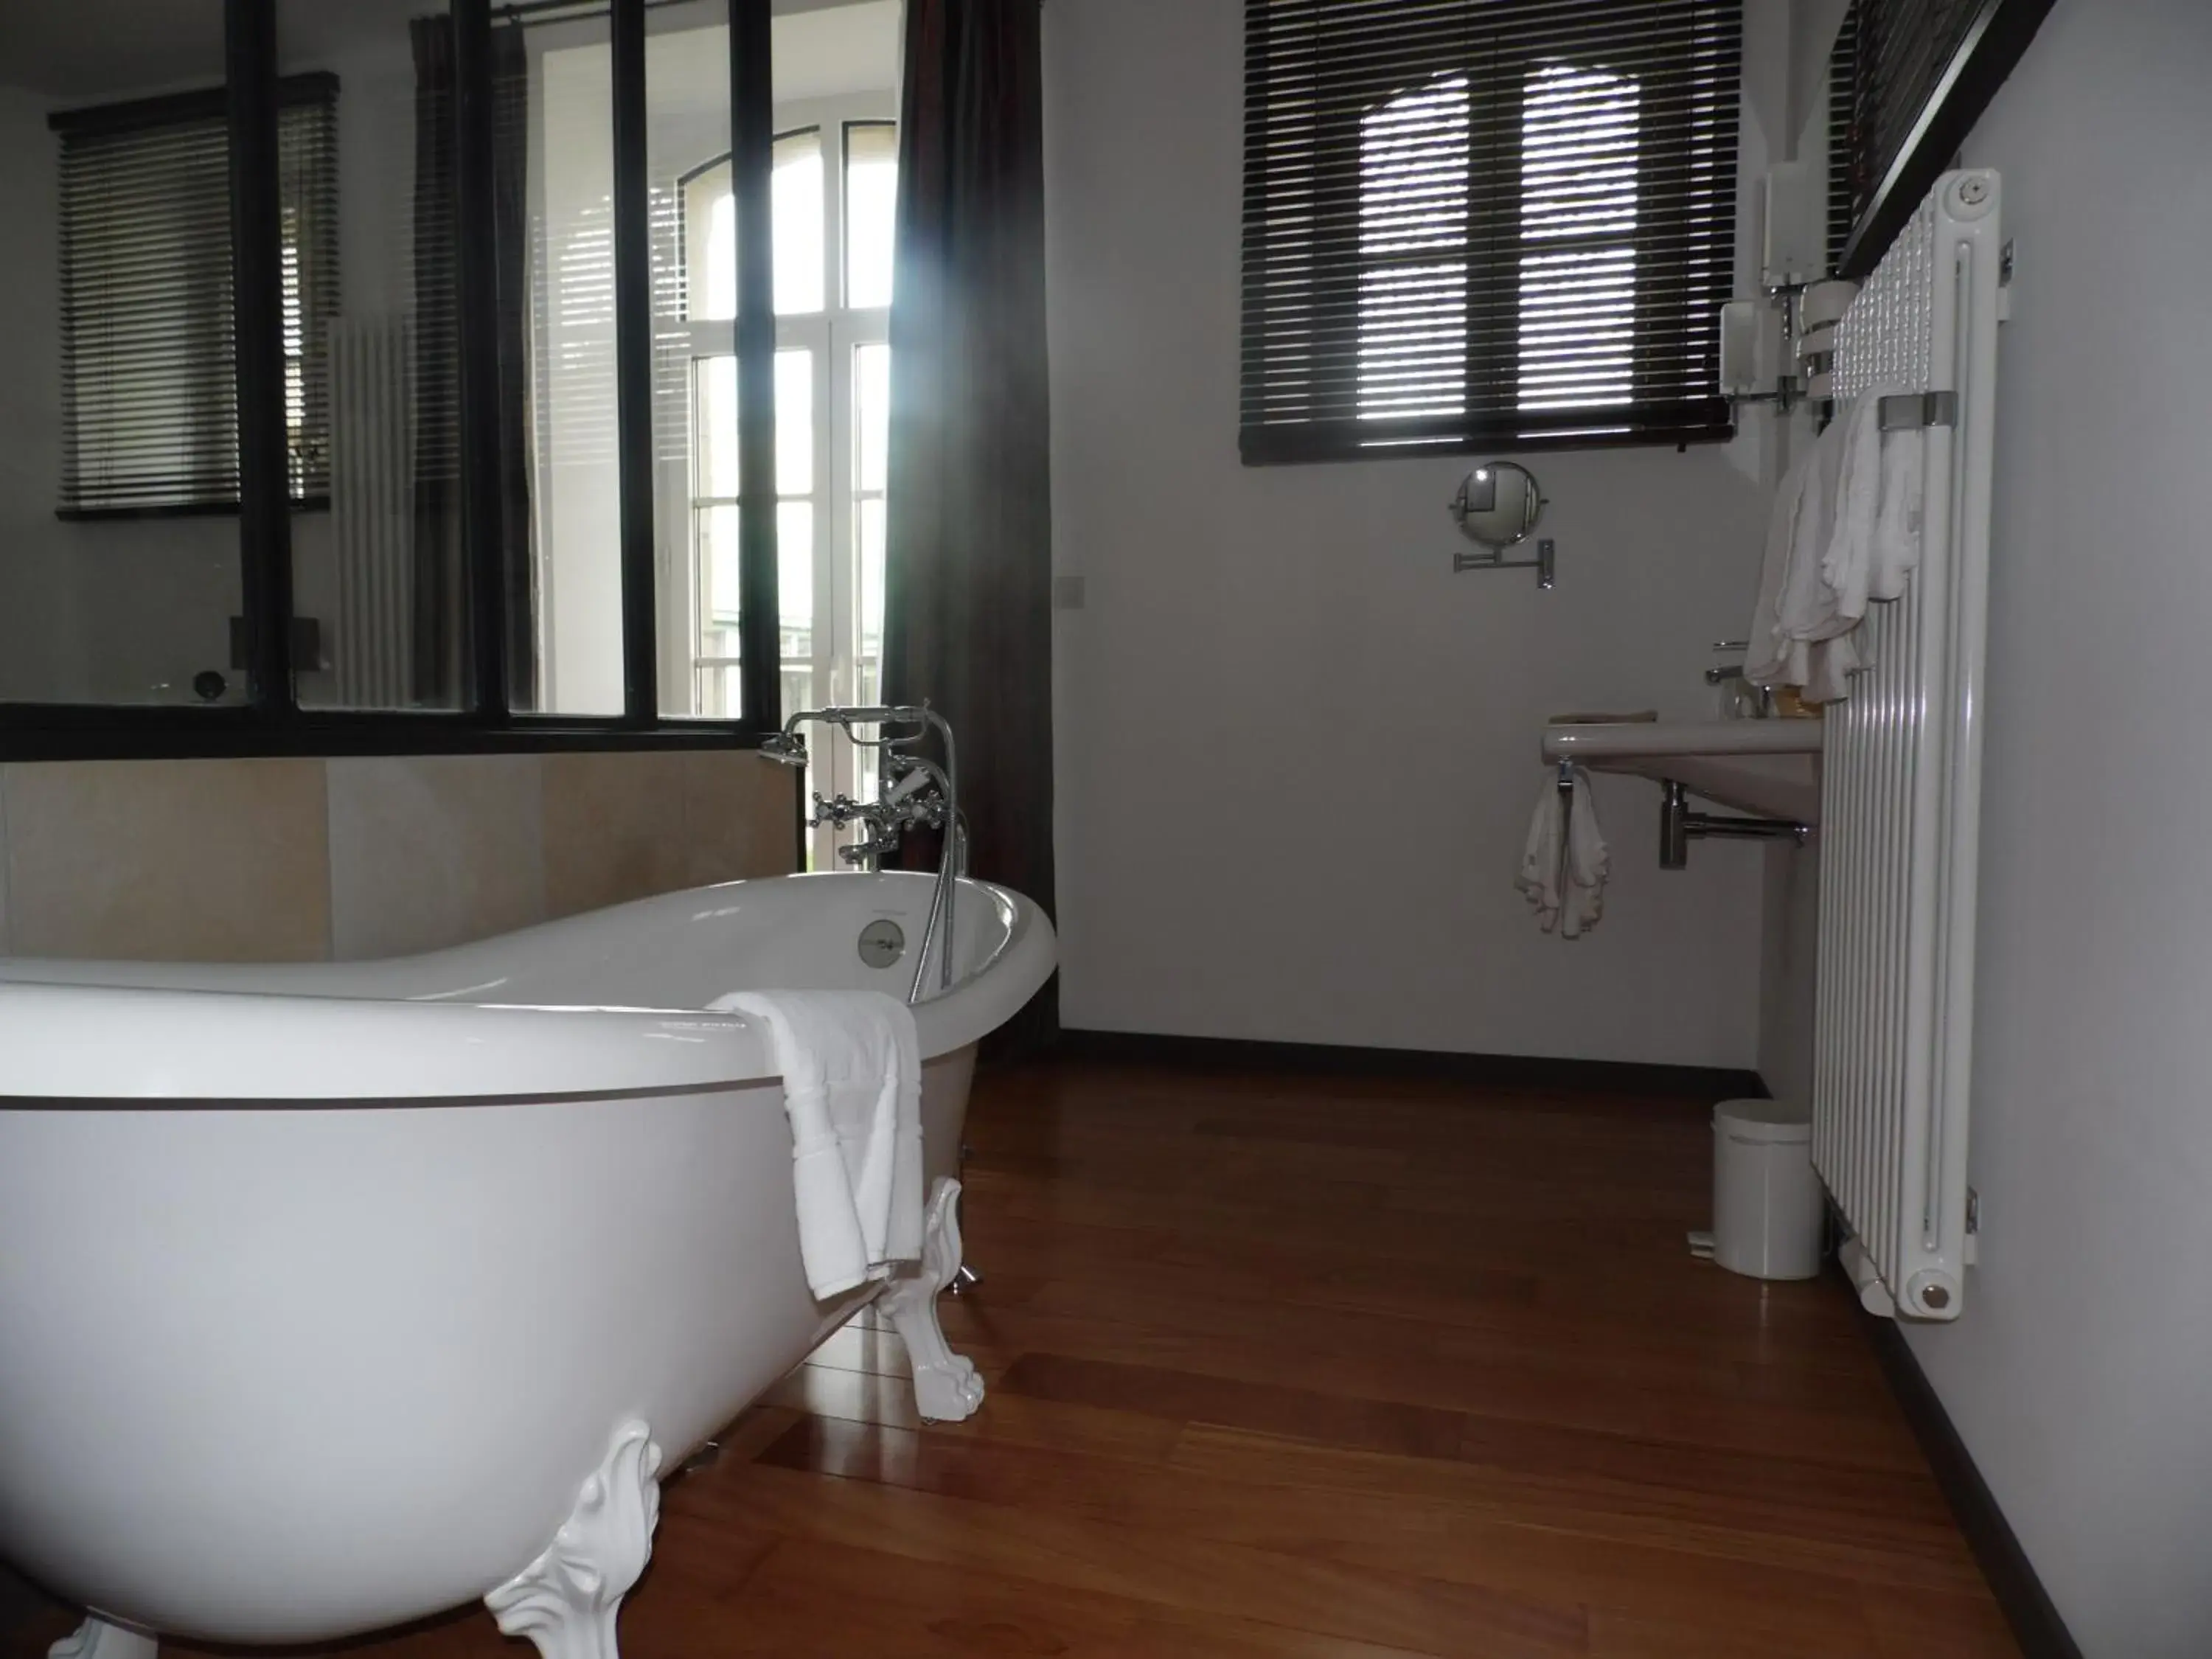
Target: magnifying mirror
[(1497, 505)]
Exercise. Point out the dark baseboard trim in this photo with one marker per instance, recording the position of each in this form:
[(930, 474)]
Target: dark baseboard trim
[(1709, 1082), (2027, 1606)]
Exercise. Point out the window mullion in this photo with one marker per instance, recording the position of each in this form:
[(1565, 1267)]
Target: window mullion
[(264, 515), (1494, 215), (633, 272), (484, 540), (753, 160)]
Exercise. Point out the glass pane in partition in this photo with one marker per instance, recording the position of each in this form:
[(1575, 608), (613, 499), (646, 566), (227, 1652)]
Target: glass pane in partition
[(119, 479), (695, 394), (871, 382), (716, 692), (371, 330), (564, 579), (712, 559)]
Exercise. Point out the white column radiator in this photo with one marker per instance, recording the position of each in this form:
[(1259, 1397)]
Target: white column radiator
[(372, 509), (1901, 792)]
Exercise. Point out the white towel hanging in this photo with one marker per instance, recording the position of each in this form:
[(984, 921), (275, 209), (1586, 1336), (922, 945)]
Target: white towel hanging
[(1565, 862)]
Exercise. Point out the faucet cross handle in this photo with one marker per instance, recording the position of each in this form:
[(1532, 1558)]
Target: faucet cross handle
[(840, 810)]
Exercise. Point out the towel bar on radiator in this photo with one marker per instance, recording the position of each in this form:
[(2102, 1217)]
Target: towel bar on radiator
[(1901, 786), (1908, 411)]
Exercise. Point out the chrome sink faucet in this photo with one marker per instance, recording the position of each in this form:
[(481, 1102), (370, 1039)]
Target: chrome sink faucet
[(1745, 700), (913, 792)]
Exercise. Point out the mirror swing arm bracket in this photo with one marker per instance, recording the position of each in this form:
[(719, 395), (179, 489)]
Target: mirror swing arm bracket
[(1545, 564)]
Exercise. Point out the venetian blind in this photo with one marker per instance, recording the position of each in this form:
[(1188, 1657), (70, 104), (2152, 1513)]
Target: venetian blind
[(1471, 223), (1843, 200), (148, 338), (1892, 56)]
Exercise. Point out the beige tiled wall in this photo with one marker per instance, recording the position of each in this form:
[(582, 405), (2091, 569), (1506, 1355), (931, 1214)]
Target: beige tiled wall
[(299, 859), (433, 849)]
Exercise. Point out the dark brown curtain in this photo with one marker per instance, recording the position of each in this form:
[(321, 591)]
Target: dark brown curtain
[(967, 586), (439, 579)]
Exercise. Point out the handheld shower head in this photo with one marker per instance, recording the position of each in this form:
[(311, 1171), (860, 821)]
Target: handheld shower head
[(785, 748)]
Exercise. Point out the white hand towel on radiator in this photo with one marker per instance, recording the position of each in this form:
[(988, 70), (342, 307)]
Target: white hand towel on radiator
[(1846, 531), (1790, 578), (1896, 552), (1810, 608), (1565, 862), (851, 1063), (1847, 565)]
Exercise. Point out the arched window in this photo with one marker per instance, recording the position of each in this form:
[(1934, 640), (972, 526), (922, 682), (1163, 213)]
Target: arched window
[(832, 196), (1479, 222)]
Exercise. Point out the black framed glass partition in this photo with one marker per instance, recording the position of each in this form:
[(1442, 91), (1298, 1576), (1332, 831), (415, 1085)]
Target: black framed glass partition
[(361, 410)]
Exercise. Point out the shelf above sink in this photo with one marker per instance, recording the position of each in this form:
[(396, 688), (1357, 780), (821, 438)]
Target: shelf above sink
[(1770, 768)]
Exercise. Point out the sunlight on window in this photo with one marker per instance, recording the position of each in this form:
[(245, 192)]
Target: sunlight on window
[(1415, 157), (798, 234), (1572, 312), (833, 197), (798, 231), (721, 227), (870, 211), (1578, 203), (872, 401)]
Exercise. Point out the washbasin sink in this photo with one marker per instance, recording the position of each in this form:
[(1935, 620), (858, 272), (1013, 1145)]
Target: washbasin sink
[(1771, 768)]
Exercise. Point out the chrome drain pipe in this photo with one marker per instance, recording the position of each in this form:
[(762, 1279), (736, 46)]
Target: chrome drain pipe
[(1679, 826)]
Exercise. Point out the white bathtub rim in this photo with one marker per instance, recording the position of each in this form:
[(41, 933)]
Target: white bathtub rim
[(69, 1042)]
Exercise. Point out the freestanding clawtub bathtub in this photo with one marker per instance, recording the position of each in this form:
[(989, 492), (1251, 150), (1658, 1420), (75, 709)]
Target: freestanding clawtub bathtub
[(335, 1295)]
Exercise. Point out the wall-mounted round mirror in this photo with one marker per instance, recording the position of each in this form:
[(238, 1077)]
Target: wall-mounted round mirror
[(1497, 504)]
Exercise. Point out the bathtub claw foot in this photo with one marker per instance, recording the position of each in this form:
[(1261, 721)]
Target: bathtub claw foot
[(566, 1601), (946, 1389), (96, 1638)]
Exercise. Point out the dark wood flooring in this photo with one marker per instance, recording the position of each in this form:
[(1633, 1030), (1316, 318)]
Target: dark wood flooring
[(1301, 1366)]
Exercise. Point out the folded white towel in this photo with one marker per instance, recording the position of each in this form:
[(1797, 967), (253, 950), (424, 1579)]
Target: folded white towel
[(1810, 607), (1896, 552), (1846, 531), (1778, 656), (1847, 563), (1566, 892), (1766, 661), (851, 1063)]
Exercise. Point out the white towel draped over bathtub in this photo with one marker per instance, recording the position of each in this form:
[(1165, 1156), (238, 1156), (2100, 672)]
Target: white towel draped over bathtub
[(851, 1063)]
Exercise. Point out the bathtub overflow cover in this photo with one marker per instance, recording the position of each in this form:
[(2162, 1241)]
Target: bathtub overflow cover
[(882, 944)]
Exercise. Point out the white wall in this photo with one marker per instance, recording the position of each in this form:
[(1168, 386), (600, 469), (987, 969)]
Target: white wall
[(1296, 755), (2081, 1372)]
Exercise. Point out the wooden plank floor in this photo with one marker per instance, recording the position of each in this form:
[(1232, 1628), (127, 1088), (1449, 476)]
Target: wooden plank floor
[(1312, 1367)]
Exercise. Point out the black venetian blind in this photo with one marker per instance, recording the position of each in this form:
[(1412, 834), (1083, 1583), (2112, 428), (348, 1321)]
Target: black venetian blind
[(1486, 223), (149, 411), (1844, 199), (1889, 59)]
